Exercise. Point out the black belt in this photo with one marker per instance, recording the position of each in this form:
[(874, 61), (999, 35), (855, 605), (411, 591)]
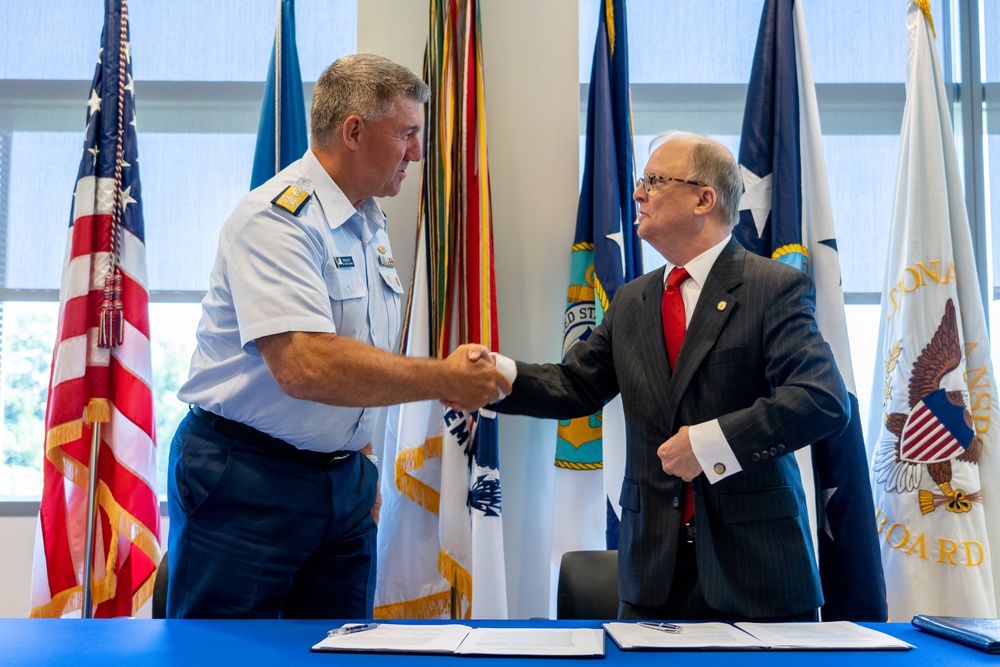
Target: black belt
[(279, 448), (688, 532)]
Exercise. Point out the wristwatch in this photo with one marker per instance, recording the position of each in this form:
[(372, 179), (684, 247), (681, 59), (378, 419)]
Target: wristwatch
[(373, 459)]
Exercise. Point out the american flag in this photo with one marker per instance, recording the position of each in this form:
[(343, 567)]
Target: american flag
[(101, 373)]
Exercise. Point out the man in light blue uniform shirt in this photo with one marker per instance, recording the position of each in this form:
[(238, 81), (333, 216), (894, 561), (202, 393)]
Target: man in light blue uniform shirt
[(272, 511)]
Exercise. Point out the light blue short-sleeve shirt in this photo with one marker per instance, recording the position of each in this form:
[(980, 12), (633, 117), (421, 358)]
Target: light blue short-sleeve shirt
[(328, 268)]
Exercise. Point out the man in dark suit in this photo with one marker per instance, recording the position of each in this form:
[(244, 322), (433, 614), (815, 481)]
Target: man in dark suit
[(721, 381)]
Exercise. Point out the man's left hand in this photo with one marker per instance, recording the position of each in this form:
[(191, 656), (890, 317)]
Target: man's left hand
[(677, 456)]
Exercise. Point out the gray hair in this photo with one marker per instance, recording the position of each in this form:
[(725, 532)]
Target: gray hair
[(711, 163), (365, 85)]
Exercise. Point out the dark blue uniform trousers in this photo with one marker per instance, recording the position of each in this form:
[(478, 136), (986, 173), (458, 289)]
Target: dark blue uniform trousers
[(258, 531)]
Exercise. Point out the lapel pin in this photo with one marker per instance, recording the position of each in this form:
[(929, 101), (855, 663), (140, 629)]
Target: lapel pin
[(721, 306)]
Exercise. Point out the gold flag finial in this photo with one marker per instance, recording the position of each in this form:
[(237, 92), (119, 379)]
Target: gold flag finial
[(925, 7)]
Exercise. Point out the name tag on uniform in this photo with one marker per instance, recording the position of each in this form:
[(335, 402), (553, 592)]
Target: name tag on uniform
[(344, 262)]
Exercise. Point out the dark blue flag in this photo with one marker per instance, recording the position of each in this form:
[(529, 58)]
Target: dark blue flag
[(606, 214), (281, 135), (606, 254), (785, 214)]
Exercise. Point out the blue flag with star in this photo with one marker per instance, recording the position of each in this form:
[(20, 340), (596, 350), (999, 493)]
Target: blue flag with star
[(606, 214), (281, 135), (786, 215), (606, 254)]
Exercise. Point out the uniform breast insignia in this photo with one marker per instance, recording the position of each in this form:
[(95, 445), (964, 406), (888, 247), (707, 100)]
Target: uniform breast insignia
[(346, 262), (292, 199), (383, 257)]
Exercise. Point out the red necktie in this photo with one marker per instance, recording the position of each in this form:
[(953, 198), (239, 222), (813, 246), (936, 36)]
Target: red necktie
[(674, 326), (674, 320)]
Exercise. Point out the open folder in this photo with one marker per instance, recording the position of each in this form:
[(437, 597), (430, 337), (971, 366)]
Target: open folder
[(837, 636), (448, 639)]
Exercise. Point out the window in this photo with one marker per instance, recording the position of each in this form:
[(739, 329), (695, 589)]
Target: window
[(689, 65), (199, 68)]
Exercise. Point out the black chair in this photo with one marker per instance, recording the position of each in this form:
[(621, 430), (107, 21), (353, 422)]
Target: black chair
[(160, 589), (588, 585)]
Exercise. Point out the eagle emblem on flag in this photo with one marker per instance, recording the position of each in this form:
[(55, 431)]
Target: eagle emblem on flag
[(936, 431)]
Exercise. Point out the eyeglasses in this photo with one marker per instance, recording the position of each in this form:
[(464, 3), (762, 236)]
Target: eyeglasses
[(647, 182)]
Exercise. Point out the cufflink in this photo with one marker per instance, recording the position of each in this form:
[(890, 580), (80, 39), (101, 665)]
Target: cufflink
[(719, 468)]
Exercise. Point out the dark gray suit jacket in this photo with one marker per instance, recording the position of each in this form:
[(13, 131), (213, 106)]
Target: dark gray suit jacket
[(754, 359)]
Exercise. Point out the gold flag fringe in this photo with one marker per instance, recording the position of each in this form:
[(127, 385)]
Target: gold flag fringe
[(416, 490), (122, 523), (458, 577), (97, 410), (429, 606)]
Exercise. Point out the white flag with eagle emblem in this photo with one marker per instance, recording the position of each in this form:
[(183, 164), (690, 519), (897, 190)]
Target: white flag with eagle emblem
[(934, 432)]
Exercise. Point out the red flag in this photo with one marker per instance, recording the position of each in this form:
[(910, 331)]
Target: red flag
[(101, 374)]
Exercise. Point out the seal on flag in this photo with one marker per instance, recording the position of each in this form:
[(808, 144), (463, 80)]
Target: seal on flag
[(937, 429)]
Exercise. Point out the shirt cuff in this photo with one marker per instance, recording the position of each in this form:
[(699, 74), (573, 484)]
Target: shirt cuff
[(712, 450), (507, 366)]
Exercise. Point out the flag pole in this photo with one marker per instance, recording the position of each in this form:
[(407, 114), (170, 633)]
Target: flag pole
[(97, 411), (88, 572), (110, 332)]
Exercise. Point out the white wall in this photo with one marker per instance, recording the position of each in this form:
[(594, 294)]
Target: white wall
[(17, 539), (532, 115)]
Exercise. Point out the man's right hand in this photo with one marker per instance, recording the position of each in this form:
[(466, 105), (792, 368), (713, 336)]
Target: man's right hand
[(475, 380)]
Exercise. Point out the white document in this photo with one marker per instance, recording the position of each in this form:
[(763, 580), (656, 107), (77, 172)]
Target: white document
[(833, 635), (693, 636), (534, 642), (839, 635), (396, 638), (463, 640)]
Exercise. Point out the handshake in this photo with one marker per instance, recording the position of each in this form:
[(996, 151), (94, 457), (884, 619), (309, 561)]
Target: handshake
[(473, 379)]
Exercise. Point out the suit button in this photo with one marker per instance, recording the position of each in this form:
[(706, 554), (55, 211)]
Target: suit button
[(764, 455), (676, 502), (719, 468), (755, 457), (774, 451), (781, 448)]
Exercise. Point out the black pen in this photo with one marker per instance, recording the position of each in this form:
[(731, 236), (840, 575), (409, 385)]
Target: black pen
[(351, 629), (662, 627)]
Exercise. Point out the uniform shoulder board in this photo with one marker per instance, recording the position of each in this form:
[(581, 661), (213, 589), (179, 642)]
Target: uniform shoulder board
[(292, 199)]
